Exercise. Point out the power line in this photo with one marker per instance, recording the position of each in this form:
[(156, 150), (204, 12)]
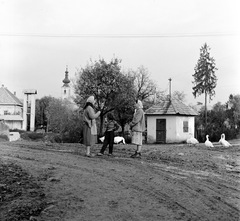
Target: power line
[(186, 35)]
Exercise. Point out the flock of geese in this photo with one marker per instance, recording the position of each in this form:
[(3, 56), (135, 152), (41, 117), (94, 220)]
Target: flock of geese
[(222, 141)]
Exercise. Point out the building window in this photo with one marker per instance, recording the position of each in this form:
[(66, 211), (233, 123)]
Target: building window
[(5, 112), (185, 126)]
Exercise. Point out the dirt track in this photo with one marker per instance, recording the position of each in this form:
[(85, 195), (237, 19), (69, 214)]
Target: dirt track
[(170, 182)]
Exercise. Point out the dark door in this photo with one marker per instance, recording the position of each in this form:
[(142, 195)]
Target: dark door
[(161, 131)]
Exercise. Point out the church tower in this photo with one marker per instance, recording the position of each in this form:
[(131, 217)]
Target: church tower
[(66, 87)]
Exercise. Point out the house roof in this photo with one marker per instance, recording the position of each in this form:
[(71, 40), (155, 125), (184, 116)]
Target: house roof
[(171, 107), (6, 97)]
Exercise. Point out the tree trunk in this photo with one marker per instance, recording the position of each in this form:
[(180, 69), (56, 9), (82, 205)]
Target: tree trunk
[(205, 109), (47, 128), (123, 125), (101, 125)]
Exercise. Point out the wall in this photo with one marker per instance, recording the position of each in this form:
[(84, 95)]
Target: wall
[(183, 136), (14, 124), (174, 128), (170, 128), (11, 118), (67, 94), (12, 109)]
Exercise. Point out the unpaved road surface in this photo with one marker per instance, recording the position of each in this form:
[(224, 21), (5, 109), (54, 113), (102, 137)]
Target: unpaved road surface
[(169, 182)]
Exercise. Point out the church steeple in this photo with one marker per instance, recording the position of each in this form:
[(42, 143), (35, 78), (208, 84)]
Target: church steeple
[(66, 81), (66, 87)]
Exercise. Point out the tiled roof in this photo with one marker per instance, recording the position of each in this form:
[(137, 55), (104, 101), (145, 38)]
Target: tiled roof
[(171, 107), (6, 97)]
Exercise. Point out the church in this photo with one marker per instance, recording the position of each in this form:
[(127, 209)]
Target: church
[(66, 89), (66, 92)]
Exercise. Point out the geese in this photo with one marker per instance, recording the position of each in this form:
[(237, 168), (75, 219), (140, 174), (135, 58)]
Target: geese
[(220, 141), (192, 140), (224, 142), (117, 139), (102, 139), (208, 143)]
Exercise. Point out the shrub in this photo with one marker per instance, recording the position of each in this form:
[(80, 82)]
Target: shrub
[(35, 136), (4, 137), (52, 137)]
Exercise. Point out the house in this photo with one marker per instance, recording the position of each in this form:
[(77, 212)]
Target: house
[(11, 109), (170, 121)]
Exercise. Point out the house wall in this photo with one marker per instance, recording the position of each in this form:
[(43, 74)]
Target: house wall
[(12, 110), (174, 128), (14, 124), (180, 134)]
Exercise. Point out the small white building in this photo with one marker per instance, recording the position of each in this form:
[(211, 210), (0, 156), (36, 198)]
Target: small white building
[(170, 121), (11, 109)]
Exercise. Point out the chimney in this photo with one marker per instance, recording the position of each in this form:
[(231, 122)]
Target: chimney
[(169, 95)]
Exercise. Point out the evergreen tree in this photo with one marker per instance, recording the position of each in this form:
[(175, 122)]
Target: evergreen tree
[(205, 79)]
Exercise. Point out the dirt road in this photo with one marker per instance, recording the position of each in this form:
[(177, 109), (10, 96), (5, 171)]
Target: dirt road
[(170, 182)]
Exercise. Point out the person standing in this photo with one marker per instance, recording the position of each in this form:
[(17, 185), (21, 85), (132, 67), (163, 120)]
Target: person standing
[(137, 127), (89, 125), (111, 126)]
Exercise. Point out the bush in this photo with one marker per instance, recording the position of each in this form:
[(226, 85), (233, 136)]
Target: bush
[(32, 136), (52, 137), (4, 137)]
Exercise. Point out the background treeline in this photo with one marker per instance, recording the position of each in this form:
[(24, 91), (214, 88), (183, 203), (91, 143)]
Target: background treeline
[(222, 118), (115, 91), (66, 123)]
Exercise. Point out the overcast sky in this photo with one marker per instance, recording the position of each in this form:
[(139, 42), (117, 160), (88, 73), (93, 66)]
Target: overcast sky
[(39, 38)]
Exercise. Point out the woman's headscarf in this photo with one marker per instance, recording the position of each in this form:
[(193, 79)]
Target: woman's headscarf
[(90, 100), (139, 104)]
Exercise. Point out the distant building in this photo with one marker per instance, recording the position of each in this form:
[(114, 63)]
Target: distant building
[(11, 109), (66, 89), (170, 121), (66, 92)]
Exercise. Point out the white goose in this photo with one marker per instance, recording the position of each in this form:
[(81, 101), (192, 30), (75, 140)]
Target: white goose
[(208, 143), (220, 141), (192, 140), (117, 139), (224, 142)]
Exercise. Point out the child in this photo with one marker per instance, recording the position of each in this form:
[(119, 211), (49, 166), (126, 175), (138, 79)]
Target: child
[(111, 126)]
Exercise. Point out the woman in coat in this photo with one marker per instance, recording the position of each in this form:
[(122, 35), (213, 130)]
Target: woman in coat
[(89, 125), (138, 127)]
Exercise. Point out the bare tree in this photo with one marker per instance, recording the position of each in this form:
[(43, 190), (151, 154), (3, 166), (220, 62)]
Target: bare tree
[(145, 87)]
